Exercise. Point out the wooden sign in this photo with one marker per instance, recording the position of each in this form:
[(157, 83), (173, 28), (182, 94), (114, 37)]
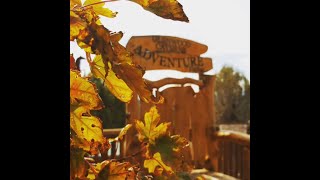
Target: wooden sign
[(165, 52)]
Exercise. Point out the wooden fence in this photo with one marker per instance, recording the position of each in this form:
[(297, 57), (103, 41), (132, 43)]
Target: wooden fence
[(230, 152), (191, 114)]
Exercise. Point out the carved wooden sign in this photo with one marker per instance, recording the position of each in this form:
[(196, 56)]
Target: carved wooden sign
[(166, 52)]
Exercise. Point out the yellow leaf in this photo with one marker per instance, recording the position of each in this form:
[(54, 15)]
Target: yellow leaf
[(99, 9), (97, 67), (87, 128), (97, 168), (133, 76), (84, 46), (168, 9), (150, 129), (121, 62), (156, 161), (77, 26), (75, 2), (84, 92), (80, 143), (115, 85)]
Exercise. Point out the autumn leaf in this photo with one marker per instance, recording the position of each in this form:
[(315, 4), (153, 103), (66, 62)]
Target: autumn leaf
[(87, 131), (121, 62), (168, 9), (98, 8), (80, 143), (84, 46), (96, 169), (170, 148), (75, 2), (113, 171), (115, 85), (132, 75), (106, 43), (86, 127), (101, 43), (150, 129), (84, 92), (77, 26), (78, 168), (154, 162), (123, 56)]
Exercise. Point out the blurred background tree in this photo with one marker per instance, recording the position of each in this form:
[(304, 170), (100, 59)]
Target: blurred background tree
[(232, 97), (113, 115)]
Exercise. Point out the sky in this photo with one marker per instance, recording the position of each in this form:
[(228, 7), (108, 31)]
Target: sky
[(222, 25)]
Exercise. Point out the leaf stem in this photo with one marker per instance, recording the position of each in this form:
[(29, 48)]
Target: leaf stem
[(89, 58), (132, 155)]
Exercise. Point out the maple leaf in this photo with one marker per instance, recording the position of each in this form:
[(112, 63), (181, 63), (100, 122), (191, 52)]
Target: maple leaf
[(88, 130), (150, 129), (132, 75), (113, 171), (92, 173), (76, 2), (79, 143), (154, 162), (123, 56), (170, 148), (83, 92), (84, 46), (121, 62), (101, 43), (77, 26), (98, 8), (78, 168), (115, 85), (168, 9)]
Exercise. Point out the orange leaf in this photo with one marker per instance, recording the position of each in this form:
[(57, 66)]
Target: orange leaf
[(168, 9)]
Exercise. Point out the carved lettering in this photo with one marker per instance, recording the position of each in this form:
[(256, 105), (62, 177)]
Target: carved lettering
[(162, 52)]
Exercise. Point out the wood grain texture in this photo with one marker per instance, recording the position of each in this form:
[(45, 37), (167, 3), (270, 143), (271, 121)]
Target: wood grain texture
[(166, 52)]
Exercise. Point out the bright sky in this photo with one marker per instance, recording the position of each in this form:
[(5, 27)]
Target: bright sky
[(223, 25)]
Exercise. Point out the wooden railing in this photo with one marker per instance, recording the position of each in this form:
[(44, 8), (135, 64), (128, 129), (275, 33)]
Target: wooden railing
[(232, 153), (115, 146)]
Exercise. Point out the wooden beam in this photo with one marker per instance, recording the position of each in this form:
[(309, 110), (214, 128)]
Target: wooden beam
[(111, 133), (236, 137), (165, 81)]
